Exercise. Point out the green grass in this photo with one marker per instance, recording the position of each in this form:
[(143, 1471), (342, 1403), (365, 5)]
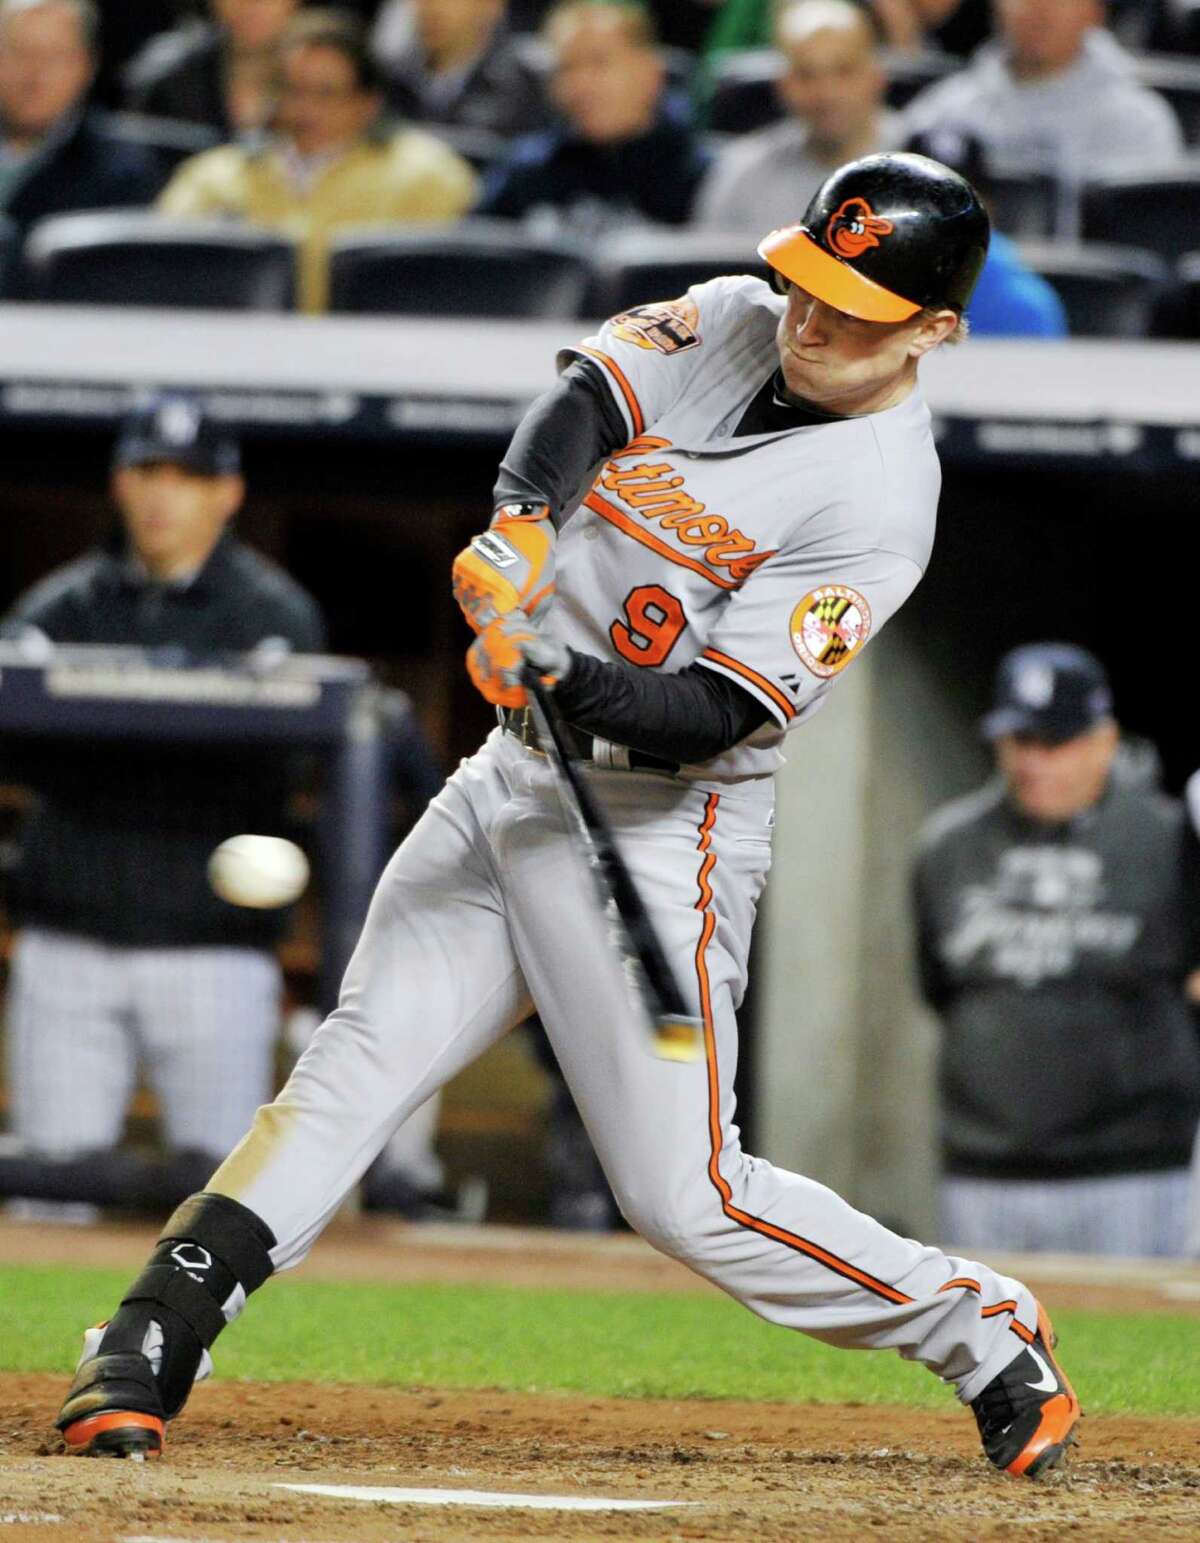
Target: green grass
[(602, 1342)]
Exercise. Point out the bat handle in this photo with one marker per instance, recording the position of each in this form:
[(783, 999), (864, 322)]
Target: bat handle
[(675, 1035)]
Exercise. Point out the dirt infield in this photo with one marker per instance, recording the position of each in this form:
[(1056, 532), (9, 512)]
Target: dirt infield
[(736, 1471)]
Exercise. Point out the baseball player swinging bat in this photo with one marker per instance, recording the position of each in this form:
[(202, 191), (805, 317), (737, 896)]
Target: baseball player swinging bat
[(677, 1035)]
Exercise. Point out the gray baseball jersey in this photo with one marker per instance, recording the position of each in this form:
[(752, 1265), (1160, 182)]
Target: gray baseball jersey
[(770, 558)]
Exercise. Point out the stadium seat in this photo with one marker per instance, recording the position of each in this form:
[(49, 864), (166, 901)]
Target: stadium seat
[(638, 266), (9, 246), (1177, 309), (170, 139), (475, 268), (1023, 205), (1156, 210), (1176, 77), (133, 258), (1108, 291), (743, 91)]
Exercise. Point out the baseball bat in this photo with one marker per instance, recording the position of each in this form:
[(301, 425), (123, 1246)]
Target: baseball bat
[(676, 1034)]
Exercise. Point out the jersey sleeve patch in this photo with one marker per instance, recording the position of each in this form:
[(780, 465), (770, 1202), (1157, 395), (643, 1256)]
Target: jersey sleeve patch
[(669, 326), (829, 627)]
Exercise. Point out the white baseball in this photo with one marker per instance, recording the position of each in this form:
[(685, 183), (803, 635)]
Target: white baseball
[(258, 871)]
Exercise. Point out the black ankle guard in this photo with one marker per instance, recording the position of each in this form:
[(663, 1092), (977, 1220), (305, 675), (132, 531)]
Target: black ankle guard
[(209, 1247)]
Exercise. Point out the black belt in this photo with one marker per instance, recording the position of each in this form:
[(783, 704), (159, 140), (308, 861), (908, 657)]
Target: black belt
[(519, 722)]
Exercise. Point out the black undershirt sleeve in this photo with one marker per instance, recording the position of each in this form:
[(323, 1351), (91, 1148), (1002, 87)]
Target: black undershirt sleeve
[(686, 717), (562, 436)]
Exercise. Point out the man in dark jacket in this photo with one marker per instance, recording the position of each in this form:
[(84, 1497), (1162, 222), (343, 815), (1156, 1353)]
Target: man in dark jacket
[(56, 156), (455, 63), (1056, 924), (124, 954), (221, 73), (623, 153)]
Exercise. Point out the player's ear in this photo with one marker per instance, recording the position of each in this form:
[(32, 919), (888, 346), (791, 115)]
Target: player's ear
[(931, 328)]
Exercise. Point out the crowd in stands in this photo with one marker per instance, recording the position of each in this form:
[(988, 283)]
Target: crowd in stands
[(578, 119)]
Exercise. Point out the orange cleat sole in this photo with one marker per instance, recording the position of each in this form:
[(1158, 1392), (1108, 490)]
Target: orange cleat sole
[(119, 1433)]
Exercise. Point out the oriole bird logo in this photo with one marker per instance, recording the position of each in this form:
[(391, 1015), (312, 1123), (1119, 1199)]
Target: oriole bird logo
[(855, 227)]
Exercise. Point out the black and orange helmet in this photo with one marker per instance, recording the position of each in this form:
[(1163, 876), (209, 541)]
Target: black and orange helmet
[(884, 237)]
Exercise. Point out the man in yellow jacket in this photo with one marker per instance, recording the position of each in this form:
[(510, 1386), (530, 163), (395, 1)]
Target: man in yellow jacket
[(331, 162)]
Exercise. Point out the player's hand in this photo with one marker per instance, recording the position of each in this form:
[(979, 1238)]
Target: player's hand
[(497, 658), (509, 567)]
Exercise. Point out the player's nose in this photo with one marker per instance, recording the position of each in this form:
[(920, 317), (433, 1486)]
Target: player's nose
[(807, 326)]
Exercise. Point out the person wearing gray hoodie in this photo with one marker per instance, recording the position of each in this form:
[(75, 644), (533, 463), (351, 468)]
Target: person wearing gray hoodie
[(1054, 92)]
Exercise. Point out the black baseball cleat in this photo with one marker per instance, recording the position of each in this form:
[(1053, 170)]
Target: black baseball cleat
[(1027, 1415), (113, 1408)]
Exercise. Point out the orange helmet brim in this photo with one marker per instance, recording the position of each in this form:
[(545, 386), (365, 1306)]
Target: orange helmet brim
[(793, 253)]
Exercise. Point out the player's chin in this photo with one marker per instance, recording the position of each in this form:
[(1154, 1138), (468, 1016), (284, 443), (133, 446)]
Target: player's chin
[(797, 368), (806, 379)]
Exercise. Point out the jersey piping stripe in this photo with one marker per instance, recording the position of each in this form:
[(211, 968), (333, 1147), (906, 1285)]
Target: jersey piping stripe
[(631, 402), (606, 511), (994, 1309), (760, 682), (716, 1178)]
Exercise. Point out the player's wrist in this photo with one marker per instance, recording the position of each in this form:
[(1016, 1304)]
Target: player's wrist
[(512, 511)]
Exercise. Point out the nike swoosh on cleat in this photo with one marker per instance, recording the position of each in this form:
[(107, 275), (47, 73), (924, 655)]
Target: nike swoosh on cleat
[(1048, 1382)]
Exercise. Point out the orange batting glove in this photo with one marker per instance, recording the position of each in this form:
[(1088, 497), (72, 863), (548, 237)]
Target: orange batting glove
[(496, 660), (509, 567)]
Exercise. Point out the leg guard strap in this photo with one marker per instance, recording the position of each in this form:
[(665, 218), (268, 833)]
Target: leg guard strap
[(166, 1284), (241, 1240)]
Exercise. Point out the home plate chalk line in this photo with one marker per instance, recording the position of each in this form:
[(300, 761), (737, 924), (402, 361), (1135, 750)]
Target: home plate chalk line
[(481, 1497)]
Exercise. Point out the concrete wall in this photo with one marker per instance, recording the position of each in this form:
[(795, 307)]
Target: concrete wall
[(846, 1052)]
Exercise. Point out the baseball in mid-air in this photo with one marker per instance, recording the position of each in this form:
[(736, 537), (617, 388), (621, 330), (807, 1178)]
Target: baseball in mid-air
[(258, 871)]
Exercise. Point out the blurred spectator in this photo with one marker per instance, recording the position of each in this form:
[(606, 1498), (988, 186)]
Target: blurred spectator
[(126, 26), (1057, 926), (222, 73), (1169, 26), (1010, 300), (333, 161), (832, 88), (1054, 93), (455, 62), (56, 156), (954, 26), (124, 954), (624, 151)]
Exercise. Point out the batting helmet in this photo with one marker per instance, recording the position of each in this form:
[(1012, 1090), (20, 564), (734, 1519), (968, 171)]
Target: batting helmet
[(884, 237)]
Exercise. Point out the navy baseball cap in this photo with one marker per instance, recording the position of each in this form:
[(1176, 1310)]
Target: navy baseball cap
[(172, 426), (1048, 691)]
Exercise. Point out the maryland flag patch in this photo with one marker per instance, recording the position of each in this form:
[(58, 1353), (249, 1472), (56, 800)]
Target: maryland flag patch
[(829, 628), (669, 326)]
